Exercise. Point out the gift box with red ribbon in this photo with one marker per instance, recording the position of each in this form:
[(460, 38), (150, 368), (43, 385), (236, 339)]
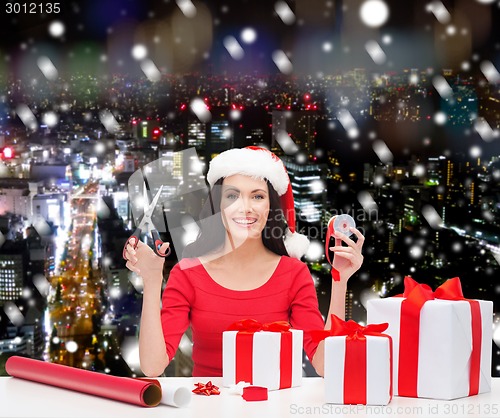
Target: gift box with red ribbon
[(358, 363), (267, 355), (442, 341)]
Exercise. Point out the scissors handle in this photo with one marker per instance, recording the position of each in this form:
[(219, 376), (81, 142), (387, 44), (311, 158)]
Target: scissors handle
[(157, 243), (133, 241)]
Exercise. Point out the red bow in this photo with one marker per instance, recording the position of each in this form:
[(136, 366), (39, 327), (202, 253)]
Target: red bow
[(450, 290), (252, 326), (349, 328), (206, 389)]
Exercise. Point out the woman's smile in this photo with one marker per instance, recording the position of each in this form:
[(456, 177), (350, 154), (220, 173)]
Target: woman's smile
[(246, 222)]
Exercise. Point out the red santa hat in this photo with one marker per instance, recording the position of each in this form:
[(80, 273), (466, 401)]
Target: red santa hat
[(261, 163)]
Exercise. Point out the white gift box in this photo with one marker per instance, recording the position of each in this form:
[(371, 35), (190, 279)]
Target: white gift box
[(378, 370), (445, 345), (266, 367)]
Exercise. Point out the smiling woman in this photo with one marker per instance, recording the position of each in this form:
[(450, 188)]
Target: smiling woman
[(226, 200), (245, 263)]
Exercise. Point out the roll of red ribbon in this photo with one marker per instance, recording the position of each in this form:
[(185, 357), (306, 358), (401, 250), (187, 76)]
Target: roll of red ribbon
[(136, 391), (255, 393)]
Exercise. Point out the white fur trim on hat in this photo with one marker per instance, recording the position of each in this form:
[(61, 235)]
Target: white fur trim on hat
[(296, 244), (249, 162)]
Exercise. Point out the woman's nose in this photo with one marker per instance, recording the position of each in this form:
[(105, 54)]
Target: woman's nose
[(245, 204)]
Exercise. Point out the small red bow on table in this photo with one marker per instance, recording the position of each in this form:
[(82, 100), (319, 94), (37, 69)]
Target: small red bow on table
[(206, 389)]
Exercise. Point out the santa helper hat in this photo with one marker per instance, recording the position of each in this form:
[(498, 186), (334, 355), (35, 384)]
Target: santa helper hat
[(261, 163)]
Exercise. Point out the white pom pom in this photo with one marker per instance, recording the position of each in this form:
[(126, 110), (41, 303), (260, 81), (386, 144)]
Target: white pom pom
[(296, 244)]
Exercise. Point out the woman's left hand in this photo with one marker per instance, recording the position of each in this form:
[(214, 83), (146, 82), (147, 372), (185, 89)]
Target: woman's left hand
[(347, 260)]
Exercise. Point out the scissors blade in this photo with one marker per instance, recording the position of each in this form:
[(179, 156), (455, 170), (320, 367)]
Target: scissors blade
[(146, 222), (152, 206)]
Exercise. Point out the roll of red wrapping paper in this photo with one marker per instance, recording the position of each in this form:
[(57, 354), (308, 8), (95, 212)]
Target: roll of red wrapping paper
[(136, 391)]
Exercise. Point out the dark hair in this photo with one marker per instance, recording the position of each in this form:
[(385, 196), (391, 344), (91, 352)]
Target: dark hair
[(212, 232)]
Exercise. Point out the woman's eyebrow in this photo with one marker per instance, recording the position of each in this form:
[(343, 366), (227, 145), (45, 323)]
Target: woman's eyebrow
[(226, 188)]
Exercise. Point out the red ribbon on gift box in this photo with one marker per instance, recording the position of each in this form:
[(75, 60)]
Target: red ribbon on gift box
[(244, 349), (355, 354), (417, 295)]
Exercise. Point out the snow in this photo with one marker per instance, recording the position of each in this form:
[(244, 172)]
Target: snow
[(282, 61), (233, 47), (374, 13), (286, 14)]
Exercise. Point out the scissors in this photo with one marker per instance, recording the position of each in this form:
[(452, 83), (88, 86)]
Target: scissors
[(147, 224)]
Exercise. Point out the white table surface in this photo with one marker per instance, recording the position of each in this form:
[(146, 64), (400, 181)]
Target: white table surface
[(24, 399)]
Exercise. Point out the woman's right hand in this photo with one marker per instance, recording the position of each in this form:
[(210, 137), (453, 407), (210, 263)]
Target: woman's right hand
[(144, 262)]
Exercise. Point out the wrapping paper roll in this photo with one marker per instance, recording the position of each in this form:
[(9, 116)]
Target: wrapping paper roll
[(136, 391)]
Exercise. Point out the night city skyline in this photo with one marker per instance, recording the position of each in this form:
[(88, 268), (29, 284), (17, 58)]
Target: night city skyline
[(395, 122)]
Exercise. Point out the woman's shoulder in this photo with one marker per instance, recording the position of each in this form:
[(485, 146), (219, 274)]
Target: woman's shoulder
[(292, 262), (187, 264), (185, 268), (293, 267)]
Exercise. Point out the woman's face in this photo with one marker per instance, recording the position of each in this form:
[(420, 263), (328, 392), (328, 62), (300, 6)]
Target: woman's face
[(244, 206)]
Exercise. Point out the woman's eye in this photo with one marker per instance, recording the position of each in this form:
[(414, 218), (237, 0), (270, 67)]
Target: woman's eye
[(258, 197), (232, 196)]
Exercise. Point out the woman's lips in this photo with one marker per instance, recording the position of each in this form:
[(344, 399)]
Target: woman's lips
[(244, 222)]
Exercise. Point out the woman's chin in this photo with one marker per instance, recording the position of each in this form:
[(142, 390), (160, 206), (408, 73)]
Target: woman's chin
[(240, 237)]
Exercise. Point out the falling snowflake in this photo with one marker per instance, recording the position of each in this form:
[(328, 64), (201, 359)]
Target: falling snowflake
[(301, 158), (235, 114), (387, 39), (327, 46), (248, 35), (440, 118), (151, 71), (282, 62), (475, 151), (103, 210), (376, 52), (490, 72), (286, 143), (13, 313), (27, 117), (432, 217), (286, 14), (374, 13), (187, 8), (71, 346), (315, 251), (366, 201), (139, 52), (200, 109), (379, 180), (317, 186), (442, 87), (233, 47), (440, 12), (57, 29), (47, 68), (419, 170), (50, 119), (383, 152), (108, 120), (483, 128), (347, 121), (42, 227)]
